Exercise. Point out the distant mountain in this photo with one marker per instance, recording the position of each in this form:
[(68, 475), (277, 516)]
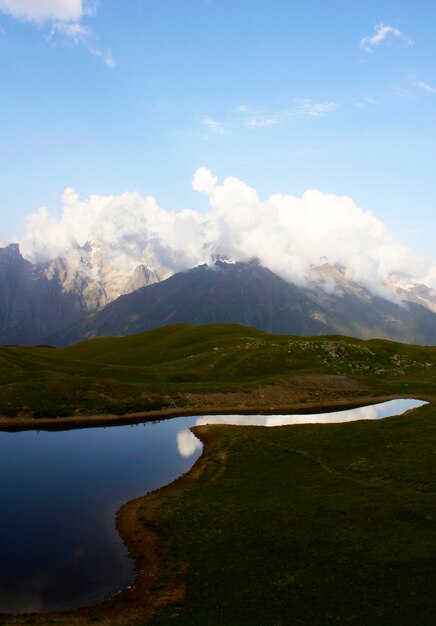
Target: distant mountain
[(82, 296), (39, 299), (32, 304), (252, 295)]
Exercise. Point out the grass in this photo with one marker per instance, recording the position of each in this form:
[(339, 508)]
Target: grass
[(316, 525), (312, 524), (159, 368)]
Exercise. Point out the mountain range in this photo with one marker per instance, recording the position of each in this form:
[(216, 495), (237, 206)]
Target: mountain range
[(62, 302)]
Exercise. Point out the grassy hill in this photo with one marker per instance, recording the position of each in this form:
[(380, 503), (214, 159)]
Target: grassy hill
[(227, 366)]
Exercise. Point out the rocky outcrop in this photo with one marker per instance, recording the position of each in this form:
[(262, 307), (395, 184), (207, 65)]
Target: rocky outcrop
[(39, 299)]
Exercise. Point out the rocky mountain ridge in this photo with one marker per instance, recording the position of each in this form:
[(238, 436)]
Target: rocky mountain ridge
[(252, 295), (67, 300), (39, 299)]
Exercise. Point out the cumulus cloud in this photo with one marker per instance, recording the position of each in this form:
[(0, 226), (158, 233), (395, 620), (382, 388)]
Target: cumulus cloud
[(43, 10), (383, 32), (129, 230), (288, 234)]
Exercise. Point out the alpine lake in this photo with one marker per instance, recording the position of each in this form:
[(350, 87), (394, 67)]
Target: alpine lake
[(60, 491)]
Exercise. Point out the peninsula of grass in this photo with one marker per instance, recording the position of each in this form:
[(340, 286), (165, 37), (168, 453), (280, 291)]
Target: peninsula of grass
[(316, 525), (184, 369)]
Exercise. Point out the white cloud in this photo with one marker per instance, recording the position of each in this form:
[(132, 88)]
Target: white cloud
[(43, 10), (286, 233), (425, 86), (402, 92), (204, 181), (105, 56), (64, 18), (213, 125), (309, 108), (77, 33), (383, 32), (253, 118), (259, 122)]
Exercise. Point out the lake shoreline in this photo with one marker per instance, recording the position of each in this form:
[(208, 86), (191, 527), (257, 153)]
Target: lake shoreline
[(18, 424), (143, 596)]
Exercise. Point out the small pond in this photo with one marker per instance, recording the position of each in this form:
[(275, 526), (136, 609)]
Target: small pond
[(59, 492)]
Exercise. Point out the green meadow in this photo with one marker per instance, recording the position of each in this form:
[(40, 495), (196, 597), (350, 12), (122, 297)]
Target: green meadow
[(169, 367), (310, 524)]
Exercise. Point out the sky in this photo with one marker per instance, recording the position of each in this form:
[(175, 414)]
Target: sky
[(177, 99)]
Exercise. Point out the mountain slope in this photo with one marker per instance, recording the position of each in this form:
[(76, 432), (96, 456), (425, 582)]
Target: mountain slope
[(237, 293), (192, 367), (32, 305), (252, 295), (38, 299)]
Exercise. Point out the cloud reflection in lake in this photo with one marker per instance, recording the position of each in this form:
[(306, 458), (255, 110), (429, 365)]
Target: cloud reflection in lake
[(187, 443)]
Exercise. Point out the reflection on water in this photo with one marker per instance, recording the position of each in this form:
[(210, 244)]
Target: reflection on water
[(373, 412), (188, 443), (59, 492)]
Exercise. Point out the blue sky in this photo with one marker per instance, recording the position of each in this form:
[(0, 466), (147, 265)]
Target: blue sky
[(287, 95)]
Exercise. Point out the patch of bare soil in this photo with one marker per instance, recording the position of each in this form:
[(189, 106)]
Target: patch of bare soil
[(296, 393)]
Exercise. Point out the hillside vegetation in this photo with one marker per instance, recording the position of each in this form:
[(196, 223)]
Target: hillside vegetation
[(217, 366), (314, 525)]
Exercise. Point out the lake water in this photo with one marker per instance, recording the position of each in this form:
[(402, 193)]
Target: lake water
[(59, 492)]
